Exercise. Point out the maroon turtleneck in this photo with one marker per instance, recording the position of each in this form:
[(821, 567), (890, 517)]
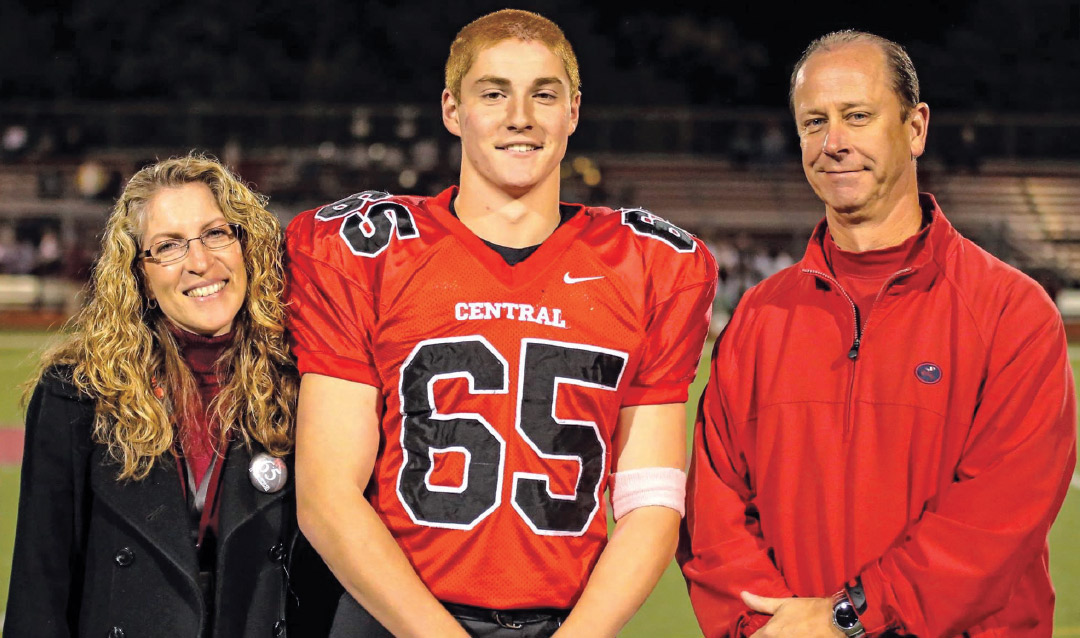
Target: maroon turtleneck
[(199, 435)]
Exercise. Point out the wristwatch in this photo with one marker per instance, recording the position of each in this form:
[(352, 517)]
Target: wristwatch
[(844, 616)]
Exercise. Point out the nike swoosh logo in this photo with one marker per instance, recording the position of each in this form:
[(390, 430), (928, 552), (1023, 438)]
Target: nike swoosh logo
[(577, 280)]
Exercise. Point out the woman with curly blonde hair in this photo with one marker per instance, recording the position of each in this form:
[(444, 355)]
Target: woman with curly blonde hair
[(156, 498)]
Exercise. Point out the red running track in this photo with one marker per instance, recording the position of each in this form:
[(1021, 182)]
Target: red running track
[(11, 446)]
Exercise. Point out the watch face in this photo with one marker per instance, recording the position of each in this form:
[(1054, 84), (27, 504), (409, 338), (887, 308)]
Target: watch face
[(845, 615)]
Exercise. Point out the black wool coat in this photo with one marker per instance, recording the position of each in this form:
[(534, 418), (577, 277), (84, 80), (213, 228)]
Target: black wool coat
[(102, 558)]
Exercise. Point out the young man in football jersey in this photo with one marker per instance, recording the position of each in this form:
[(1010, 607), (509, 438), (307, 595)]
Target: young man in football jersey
[(477, 363)]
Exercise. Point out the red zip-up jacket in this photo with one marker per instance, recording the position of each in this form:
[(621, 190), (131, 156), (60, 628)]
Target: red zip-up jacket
[(927, 455)]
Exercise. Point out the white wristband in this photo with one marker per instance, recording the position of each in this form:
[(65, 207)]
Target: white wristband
[(663, 486)]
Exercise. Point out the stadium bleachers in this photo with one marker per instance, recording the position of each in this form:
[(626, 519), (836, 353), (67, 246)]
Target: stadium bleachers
[(1035, 220), (1032, 220)]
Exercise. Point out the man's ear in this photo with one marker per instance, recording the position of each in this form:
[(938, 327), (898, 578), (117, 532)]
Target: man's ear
[(918, 123)]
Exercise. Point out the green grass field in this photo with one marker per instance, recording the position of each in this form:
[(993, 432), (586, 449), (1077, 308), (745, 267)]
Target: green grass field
[(666, 614)]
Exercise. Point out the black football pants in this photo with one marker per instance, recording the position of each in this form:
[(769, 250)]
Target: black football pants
[(353, 621)]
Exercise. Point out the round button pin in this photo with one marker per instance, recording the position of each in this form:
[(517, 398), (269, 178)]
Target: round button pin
[(267, 473)]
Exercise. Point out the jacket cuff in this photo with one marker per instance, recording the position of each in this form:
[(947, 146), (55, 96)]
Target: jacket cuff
[(749, 622), (874, 618)]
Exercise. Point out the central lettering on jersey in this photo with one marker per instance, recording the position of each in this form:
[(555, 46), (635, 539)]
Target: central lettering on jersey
[(484, 310)]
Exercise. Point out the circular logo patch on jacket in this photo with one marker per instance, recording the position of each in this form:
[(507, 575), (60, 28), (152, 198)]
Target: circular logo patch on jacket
[(928, 373)]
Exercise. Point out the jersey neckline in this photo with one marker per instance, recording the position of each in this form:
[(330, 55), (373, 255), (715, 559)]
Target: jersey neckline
[(522, 273)]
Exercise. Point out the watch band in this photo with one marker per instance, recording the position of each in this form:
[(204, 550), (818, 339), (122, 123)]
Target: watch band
[(856, 594), (845, 618)]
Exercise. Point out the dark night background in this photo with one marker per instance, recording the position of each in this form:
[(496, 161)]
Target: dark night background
[(685, 106), (998, 55), (685, 113)]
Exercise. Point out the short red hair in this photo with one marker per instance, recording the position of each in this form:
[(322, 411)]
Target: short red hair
[(502, 25)]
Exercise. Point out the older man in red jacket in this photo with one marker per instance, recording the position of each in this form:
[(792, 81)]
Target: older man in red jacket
[(890, 426)]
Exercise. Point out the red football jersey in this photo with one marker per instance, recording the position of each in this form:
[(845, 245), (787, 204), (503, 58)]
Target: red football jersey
[(502, 384)]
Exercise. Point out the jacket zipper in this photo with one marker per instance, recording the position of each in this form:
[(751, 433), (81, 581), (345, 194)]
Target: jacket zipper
[(853, 352)]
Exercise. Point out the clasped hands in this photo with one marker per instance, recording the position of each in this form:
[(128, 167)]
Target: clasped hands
[(794, 617)]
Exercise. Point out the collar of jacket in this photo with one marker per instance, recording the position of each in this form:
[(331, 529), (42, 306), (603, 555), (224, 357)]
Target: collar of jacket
[(926, 266)]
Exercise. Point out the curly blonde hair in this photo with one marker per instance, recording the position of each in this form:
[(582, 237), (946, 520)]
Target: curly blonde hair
[(120, 349)]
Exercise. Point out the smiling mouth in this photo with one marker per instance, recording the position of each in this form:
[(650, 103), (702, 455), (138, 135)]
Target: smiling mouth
[(206, 291), (519, 148)]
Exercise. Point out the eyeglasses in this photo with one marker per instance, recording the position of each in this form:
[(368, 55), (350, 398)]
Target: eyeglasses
[(167, 251)]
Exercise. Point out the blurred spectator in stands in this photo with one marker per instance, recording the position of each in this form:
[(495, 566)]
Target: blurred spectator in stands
[(72, 141), (726, 254), (725, 260), (424, 160), (91, 179), (45, 145), (742, 146), (14, 142), (406, 122), (761, 263), (773, 144), (720, 301), (231, 153), (78, 259), (425, 154), (50, 182), (969, 148), (743, 273), (7, 247), (360, 126), (779, 259), (49, 252), (16, 257)]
